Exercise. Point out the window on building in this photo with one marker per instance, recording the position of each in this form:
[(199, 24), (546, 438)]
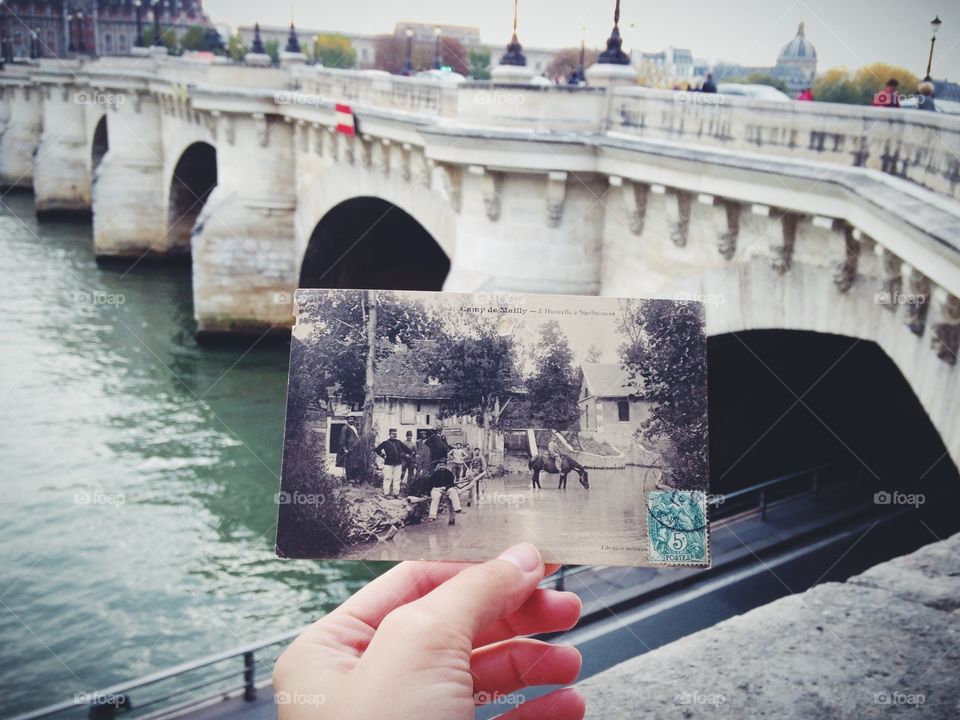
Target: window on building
[(623, 410), (419, 406), (407, 414), (428, 420)]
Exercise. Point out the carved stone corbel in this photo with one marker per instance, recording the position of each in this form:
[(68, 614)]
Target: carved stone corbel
[(727, 220), (917, 300), (945, 326), (556, 197), (366, 154), (453, 185), (678, 204), (212, 122), (846, 273), (490, 187), (386, 149), (634, 200), (262, 128), (783, 251), (892, 279), (406, 162)]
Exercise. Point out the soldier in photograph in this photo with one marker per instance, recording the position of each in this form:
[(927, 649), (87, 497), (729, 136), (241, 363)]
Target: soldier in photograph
[(393, 453), (442, 481)]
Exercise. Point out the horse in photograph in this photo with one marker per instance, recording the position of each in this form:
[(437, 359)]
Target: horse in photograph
[(549, 465)]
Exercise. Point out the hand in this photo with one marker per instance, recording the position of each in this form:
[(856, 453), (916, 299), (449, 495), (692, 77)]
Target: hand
[(433, 640)]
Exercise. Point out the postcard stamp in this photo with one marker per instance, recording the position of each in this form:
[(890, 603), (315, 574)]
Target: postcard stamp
[(677, 527)]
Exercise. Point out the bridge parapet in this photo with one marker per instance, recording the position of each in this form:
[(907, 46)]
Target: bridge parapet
[(920, 146)]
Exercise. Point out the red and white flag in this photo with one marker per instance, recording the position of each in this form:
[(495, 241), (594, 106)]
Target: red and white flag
[(346, 122)]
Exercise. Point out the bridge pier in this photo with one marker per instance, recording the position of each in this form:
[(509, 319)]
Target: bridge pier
[(244, 258), (20, 136), (129, 198), (61, 173)]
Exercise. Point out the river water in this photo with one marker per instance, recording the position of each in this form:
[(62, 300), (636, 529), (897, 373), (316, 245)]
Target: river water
[(138, 475)]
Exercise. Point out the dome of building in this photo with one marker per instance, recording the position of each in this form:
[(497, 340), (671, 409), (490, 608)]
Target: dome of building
[(798, 49)]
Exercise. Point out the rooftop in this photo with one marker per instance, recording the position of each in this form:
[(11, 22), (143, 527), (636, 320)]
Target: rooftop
[(608, 380)]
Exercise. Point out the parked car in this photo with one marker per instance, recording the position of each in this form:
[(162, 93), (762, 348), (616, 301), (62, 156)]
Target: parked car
[(757, 92)]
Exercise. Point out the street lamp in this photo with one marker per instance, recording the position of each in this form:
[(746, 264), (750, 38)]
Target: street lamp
[(137, 6), (157, 41), (934, 26), (614, 54), (408, 66), (4, 57), (437, 60), (514, 55), (80, 46)]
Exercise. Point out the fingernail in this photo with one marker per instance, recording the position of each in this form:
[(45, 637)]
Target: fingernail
[(524, 556)]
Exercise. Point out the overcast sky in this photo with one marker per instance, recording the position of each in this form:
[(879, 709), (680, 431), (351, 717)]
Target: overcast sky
[(751, 32)]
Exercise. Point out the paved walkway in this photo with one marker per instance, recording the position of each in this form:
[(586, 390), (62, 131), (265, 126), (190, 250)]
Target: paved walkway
[(883, 644)]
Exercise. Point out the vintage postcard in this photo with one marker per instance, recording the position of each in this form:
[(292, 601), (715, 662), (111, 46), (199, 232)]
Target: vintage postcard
[(449, 426)]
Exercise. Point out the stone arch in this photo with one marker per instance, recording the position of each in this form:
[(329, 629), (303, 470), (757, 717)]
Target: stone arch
[(368, 242), (785, 400), (194, 179), (100, 143)]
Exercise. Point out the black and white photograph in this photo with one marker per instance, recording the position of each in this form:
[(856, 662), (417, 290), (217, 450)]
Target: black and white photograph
[(443, 425)]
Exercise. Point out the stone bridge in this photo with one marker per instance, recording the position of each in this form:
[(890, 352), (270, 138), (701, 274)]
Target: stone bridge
[(804, 216)]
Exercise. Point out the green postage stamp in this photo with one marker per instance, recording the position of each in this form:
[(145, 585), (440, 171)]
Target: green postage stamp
[(677, 527)]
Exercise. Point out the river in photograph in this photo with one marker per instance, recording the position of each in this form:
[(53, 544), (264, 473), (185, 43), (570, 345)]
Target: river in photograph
[(139, 474)]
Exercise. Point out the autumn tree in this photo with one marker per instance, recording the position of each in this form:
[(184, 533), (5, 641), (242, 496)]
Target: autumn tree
[(664, 351), (567, 61), (480, 64), (334, 51), (859, 88), (553, 386)]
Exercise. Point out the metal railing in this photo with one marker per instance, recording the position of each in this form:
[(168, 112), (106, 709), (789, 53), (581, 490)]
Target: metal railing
[(239, 677)]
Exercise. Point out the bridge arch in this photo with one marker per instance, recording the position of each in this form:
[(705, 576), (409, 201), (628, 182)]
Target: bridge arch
[(368, 242), (784, 400), (100, 144), (193, 180)]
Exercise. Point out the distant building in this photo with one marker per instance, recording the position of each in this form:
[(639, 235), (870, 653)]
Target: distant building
[(796, 65), (363, 44), (670, 66), (60, 28), (611, 405)]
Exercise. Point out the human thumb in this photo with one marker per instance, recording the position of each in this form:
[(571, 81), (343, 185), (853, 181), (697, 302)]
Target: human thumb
[(479, 596)]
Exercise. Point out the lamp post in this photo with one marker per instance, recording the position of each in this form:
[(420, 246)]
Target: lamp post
[(614, 54), (408, 65), (157, 40), (4, 59), (934, 26), (437, 60), (137, 6), (514, 55), (81, 47), (71, 45)]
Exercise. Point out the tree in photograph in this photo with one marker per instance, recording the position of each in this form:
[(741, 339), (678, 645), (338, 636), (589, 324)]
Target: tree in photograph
[(334, 51), (389, 53), (593, 354), (836, 86), (552, 389), (665, 347), (482, 372), (480, 64)]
